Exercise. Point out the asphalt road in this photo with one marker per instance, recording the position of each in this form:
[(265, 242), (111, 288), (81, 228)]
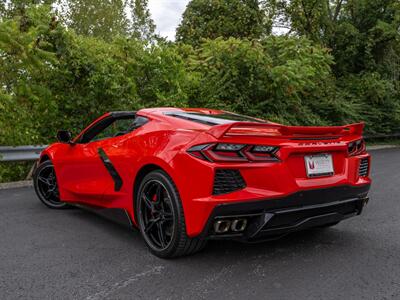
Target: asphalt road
[(47, 254)]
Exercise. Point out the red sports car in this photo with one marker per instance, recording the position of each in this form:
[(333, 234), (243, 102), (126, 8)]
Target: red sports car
[(184, 176)]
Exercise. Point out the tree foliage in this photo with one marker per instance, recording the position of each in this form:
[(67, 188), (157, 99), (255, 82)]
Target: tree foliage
[(10, 9), (142, 26), (97, 18), (108, 19), (278, 78), (210, 19), (49, 73), (362, 34)]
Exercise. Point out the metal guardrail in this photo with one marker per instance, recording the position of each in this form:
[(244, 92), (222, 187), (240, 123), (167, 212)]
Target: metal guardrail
[(28, 153), (381, 136), (20, 153)]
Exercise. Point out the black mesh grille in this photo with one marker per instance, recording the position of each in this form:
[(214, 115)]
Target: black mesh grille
[(227, 181), (364, 166)]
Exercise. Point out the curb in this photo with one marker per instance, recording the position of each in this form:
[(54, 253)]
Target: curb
[(381, 147), (16, 184)]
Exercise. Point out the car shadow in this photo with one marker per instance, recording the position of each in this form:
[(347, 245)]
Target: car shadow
[(303, 244), (301, 241), (107, 226)]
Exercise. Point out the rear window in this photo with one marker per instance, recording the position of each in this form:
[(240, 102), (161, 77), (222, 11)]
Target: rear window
[(215, 119)]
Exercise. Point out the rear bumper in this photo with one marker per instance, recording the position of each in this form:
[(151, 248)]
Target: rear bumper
[(274, 218)]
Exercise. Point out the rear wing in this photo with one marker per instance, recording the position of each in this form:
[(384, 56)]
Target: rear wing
[(277, 130)]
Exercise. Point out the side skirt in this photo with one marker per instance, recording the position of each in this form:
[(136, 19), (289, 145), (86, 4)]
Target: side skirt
[(117, 215)]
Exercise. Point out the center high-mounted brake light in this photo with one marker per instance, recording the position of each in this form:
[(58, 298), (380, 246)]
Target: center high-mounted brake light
[(224, 152)]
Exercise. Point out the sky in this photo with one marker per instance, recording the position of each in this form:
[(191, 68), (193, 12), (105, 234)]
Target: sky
[(167, 15)]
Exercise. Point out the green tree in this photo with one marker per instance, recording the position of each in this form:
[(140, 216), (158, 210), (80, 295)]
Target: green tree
[(141, 25), (3, 9), (26, 59), (362, 34), (97, 18), (18, 7), (278, 78), (210, 19)]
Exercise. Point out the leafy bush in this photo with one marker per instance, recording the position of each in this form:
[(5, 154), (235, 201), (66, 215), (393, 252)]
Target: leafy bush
[(14, 171), (279, 78)]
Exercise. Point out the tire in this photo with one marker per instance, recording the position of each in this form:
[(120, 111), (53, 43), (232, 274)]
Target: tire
[(158, 199), (46, 187)]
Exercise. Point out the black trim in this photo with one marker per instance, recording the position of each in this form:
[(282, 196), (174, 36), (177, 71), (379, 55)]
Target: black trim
[(111, 169), (117, 215), (123, 114), (96, 128), (212, 119), (297, 211)]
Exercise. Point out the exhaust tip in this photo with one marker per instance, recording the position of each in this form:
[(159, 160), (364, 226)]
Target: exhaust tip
[(222, 226), (239, 225), (235, 225)]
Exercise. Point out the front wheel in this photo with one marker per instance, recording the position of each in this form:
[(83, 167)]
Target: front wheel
[(160, 217), (46, 187)]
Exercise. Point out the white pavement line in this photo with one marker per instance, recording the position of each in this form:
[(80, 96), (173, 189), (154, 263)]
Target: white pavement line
[(104, 294), (15, 184)]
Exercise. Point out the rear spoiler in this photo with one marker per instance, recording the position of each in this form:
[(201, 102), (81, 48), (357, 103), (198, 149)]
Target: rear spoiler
[(277, 130)]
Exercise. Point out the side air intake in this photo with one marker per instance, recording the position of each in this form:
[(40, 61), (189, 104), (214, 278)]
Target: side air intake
[(227, 181)]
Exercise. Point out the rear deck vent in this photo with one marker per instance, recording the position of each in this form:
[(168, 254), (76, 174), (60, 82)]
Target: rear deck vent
[(227, 181), (364, 167)]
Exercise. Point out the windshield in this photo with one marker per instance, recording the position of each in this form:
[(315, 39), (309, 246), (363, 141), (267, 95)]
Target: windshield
[(214, 119)]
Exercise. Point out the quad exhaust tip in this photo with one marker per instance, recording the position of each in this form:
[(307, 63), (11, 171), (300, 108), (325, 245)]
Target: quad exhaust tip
[(238, 225), (235, 225)]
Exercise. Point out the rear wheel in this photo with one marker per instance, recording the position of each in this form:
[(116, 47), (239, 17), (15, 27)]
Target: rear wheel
[(160, 217), (46, 187)]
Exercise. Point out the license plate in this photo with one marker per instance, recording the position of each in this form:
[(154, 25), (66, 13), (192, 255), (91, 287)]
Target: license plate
[(319, 165)]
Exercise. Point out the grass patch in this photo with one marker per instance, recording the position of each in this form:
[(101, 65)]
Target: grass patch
[(14, 171)]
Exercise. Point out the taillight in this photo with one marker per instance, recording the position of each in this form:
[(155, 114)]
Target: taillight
[(356, 147), (225, 152)]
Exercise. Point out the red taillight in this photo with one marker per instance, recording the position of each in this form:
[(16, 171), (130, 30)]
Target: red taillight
[(224, 152), (356, 147)]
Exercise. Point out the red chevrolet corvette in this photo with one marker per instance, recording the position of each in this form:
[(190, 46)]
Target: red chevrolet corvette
[(184, 176)]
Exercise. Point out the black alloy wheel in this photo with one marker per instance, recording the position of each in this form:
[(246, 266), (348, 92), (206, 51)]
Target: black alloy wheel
[(46, 187), (160, 217), (156, 214)]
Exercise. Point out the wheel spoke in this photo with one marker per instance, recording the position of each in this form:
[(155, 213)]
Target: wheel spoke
[(161, 234), (53, 191), (44, 180), (159, 194), (156, 214), (151, 223), (47, 194), (168, 216), (47, 185), (148, 202)]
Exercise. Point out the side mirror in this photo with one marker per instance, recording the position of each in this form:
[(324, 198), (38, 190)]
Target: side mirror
[(64, 136)]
